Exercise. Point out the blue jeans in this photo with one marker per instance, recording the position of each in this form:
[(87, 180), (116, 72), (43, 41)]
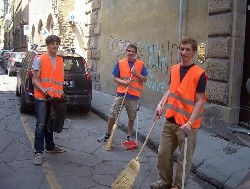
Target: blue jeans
[(42, 132)]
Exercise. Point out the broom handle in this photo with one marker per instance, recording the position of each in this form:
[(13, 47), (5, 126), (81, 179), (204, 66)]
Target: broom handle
[(137, 122), (152, 127), (123, 100), (150, 131), (184, 163)]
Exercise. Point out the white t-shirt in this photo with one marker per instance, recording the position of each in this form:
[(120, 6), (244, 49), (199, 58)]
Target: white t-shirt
[(37, 62)]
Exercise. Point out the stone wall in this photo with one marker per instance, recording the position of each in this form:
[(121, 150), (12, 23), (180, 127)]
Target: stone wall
[(38, 15), (21, 10), (64, 26), (92, 32), (225, 48), (45, 19)]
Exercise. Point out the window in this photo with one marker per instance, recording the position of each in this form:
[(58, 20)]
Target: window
[(72, 64), (18, 55)]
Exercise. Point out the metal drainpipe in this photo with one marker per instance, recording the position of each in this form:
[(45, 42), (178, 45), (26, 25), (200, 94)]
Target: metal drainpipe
[(181, 20), (180, 24)]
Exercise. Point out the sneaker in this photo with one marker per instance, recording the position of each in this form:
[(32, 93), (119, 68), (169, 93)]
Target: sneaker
[(128, 138), (38, 159), (104, 137), (159, 185), (57, 149)]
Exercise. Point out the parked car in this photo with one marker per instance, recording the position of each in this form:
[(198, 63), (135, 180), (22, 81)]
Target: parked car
[(4, 59), (2, 52), (14, 62), (77, 84)]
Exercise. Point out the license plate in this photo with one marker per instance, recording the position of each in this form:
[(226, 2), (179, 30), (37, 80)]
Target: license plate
[(69, 83)]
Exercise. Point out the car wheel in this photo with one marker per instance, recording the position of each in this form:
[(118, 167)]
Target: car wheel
[(23, 106), (17, 91), (85, 109)]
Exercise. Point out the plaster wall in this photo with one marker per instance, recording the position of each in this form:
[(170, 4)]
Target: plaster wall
[(154, 27)]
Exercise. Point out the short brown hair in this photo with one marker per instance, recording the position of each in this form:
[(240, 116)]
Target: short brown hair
[(132, 46), (189, 40), (52, 38)]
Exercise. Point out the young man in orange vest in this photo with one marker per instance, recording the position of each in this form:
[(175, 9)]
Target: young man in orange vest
[(127, 72), (48, 77), (185, 101)]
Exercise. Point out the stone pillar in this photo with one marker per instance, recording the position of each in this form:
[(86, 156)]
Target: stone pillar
[(225, 52), (91, 33)]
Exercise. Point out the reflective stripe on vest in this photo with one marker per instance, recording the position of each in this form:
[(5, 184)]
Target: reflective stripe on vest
[(181, 99), (51, 79), (47, 80), (186, 101), (135, 86), (181, 111)]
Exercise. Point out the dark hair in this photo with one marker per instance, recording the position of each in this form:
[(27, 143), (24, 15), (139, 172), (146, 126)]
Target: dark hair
[(189, 40), (51, 39), (132, 46)]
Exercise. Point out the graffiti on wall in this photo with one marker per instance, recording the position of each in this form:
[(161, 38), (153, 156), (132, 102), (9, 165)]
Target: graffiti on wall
[(157, 57)]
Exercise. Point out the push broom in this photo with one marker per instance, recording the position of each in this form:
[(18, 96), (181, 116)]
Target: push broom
[(109, 141), (127, 177)]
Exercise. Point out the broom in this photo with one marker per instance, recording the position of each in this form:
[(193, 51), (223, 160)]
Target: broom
[(109, 141), (127, 177)]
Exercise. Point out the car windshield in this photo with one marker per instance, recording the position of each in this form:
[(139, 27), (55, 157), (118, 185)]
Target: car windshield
[(73, 64)]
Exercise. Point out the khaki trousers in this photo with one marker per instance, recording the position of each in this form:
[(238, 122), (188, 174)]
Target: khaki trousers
[(171, 138)]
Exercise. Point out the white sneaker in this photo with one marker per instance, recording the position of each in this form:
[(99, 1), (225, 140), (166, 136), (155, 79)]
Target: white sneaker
[(38, 159)]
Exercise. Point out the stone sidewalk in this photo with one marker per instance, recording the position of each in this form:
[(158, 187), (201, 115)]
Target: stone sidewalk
[(217, 161)]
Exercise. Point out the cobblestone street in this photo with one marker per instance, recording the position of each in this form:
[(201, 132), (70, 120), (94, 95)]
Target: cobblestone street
[(85, 164)]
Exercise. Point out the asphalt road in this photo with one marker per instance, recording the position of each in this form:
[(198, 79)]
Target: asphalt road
[(85, 164)]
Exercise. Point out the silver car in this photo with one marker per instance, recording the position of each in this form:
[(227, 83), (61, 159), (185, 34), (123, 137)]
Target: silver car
[(14, 62)]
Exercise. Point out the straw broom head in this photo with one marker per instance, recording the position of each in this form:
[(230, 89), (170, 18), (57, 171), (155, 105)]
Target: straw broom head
[(127, 177), (109, 141)]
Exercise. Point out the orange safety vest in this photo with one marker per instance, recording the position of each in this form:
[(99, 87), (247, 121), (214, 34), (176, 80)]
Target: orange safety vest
[(50, 79), (136, 85), (181, 99)]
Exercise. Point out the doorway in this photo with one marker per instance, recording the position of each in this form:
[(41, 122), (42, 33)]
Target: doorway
[(245, 96)]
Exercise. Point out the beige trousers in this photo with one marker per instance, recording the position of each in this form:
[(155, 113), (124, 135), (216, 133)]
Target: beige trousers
[(171, 138)]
